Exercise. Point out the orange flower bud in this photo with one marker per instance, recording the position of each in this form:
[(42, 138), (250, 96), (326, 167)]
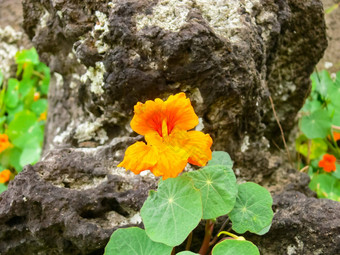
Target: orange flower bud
[(36, 96)]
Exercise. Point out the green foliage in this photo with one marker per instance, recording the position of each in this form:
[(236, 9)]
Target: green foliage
[(218, 188), (233, 247), (175, 209), (326, 186), (133, 240), (253, 209), (221, 158), (179, 210), (320, 127), (23, 107)]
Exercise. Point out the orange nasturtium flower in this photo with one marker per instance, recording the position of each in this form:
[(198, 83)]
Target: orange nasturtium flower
[(170, 146), (5, 175), (336, 136), (328, 163), (4, 143)]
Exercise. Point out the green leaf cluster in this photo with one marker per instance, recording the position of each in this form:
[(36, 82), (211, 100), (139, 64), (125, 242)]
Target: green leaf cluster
[(176, 208), (319, 124), (23, 108)]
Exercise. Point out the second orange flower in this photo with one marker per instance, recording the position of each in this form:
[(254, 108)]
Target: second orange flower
[(169, 145)]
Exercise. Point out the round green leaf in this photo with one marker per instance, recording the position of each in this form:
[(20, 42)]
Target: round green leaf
[(235, 247), (253, 209), (39, 106), (130, 241), (218, 188), (221, 158), (316, 125), (171, 213), (326, 186), (187, 253)]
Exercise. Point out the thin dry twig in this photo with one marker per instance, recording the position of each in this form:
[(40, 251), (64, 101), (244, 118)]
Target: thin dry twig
[(281, 130)]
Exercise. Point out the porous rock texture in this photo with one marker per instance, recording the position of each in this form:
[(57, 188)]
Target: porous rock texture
[(227, 56)]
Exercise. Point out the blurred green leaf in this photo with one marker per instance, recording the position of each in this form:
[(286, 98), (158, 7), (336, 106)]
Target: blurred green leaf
[(1, 78), (39, 106), (336, 174), (14, 159), (24, 131), (12, 93), (321, 81), (316, 125), (30, 155), (44, 83), (27, 56), (25, 86), (317, 147), (326, 186)]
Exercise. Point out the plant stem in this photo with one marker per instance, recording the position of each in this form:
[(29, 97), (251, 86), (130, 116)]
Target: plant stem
[(221, 228), (173, 252), (209, 226), (187, 246)]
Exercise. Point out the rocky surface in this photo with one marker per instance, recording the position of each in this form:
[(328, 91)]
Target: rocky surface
[(227, 56), (70, 203)]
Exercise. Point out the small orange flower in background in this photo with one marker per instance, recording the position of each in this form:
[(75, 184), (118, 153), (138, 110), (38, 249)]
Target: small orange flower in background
[(328, 163), (5, 175), (170, 146), (336, 136), (42, 116), (36, 96), (4, 143)]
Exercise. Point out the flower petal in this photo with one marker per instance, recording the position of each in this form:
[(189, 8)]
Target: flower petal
[(180, 113), (171, 162), (139, 157), (198, 146), (148, 117)]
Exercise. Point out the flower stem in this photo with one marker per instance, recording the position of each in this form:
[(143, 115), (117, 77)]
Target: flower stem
[(222, 227), (209, 226), (187, 246), (232, 235)]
